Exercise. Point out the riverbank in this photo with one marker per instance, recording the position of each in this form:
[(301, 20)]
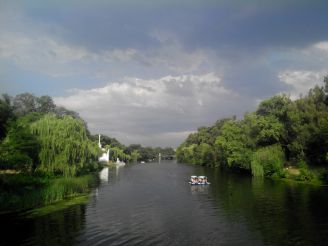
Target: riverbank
[(315, 177), (21, 192), (290, 175)]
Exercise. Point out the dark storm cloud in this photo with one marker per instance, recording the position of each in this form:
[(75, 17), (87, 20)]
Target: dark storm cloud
[(153, 71), (217, 24)]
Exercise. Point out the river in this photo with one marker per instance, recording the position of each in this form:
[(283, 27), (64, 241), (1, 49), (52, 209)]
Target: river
[(153, 204)]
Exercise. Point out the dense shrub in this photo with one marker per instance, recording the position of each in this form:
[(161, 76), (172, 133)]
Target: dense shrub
[(268, 160)]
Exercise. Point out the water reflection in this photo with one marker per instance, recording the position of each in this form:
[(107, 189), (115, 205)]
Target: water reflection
[(58, 228), (104, 174), (153, 204), (109, 174), (199, 189)]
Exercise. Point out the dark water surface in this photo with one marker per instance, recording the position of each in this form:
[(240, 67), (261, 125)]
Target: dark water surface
[(152, 204)]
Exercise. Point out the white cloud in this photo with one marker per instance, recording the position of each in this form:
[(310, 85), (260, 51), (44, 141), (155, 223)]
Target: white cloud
[(301, 80), (307, 68), (323, 46), (148, 111)]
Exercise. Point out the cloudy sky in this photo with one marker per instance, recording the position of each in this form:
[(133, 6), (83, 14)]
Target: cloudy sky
[(151, 72)]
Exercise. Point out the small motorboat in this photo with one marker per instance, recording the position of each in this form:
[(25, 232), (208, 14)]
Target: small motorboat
[(198, 180)]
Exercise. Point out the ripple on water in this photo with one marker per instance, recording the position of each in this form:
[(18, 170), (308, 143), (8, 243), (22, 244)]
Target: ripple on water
[(152, 204)]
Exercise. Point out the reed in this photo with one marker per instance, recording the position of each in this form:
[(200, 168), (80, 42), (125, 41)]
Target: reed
[(267, 161), (26, 192)]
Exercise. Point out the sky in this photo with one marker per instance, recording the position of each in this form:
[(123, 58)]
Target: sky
[(152, 72)]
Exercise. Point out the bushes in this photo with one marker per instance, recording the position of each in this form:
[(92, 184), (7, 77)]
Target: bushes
[(267, 161), (305, 175), (15, 160), (19, 150)]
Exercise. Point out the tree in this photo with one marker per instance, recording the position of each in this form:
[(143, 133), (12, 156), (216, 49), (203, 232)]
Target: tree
[(276, 106), (105, 140), (6, 114), (24, 103), (64, 146), (186, 153), (135, 155), (62, 111), (45, 104), (325, 87), (116, 152), (235, 144), (265, 130), (20, 148)]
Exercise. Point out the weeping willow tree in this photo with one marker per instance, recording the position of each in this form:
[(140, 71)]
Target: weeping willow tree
[(65, 147), (116, 152)]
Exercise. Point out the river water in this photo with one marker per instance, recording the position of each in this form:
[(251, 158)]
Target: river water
[(153, 204)]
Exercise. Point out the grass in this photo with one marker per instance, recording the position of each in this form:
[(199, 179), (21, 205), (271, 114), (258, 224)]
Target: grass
[(21, 192), (48, 209), (295, 181), (304, 175)]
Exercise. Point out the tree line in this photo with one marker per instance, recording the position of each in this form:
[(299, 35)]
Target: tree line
[(282, 138), (133, 152), (40, 138)]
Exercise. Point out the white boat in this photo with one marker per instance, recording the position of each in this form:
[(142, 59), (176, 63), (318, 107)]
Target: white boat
[(198, 180)]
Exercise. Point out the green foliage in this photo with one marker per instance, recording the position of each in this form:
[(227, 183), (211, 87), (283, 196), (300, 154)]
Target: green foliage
[(305, 175), (15, 160), (204, 154), (186, 153), (266, 130), (20, 192), (276, 106), (65, 147), (199, 148), (135, 155), (19, 150), (149, 153), (24, 103), (302, 164), (267, 161), (307, 127), (45, 104), (257, 168), (105, 140), (281, 130), (6, 114), (116, 152), (235, 144)]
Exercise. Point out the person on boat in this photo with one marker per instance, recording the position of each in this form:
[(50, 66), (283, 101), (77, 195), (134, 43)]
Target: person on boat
[(194, 180)]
